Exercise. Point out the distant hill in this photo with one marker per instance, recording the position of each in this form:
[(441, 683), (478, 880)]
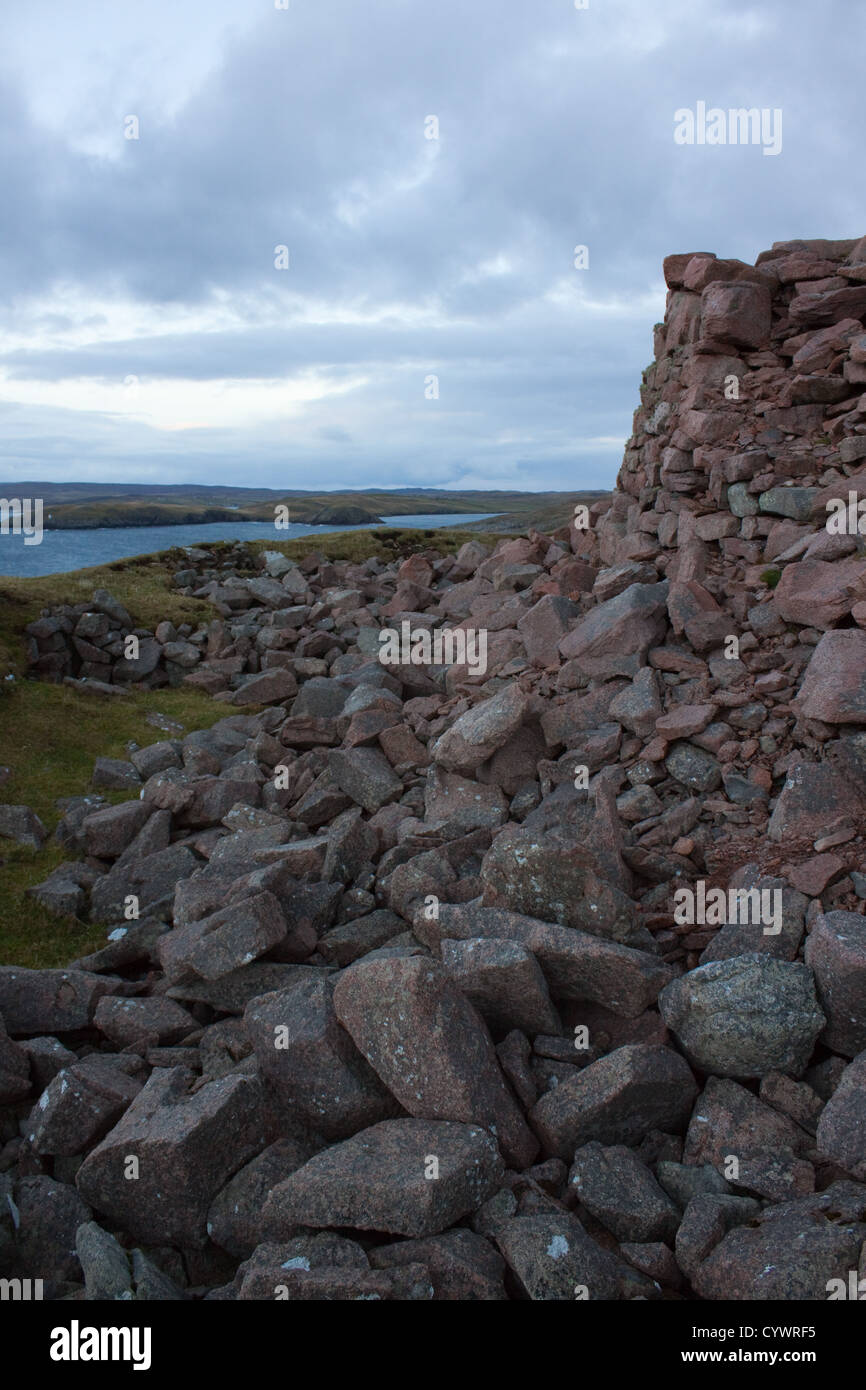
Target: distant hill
[(79, 506), (343, 516)]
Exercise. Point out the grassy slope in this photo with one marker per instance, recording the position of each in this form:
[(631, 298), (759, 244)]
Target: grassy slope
[(51, 735)]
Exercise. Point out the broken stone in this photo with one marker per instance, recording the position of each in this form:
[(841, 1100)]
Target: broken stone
[(235, 1220), (317, 1076), (841, 1130), (22, 825), (430, 1047), (186, 1147), (834, 686), (552, 1257), (49, 1001), (836, 954), (223, 942), (483, 729), (137, 1022), (789, 1252), (366, 776), (617, 1100), (555, 876), (79, 1106), (613, 640), (621, 1192), (409, 1177), (504, 982)]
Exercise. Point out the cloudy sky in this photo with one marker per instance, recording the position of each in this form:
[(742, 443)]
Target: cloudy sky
[(148, 333)]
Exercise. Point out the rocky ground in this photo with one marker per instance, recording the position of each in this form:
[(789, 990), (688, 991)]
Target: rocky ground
[(396, 1000)]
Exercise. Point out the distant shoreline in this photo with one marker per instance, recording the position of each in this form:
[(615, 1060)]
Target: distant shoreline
[(195, 519), (67, 549), (129, 520), (208, 519)]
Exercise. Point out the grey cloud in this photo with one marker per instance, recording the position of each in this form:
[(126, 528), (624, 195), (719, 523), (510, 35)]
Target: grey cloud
[(555, 129)]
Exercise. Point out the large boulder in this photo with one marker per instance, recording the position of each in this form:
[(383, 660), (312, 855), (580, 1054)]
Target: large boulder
[(813, 797), (22, 825), (185, 1146), (366, 776), (617, 1100), (556, 876), (554, 1260), (836, 954), (745, 1016), (310, 1064), (770, 1147), (790, 1252), (483, 729), (505, 983), (224, 941), (107, 832), (834, 686), (614, 638), (431, 1048), (577, 966), (50, 1001), (544, 625), (739, 313), (817, 593), (620, 1191), (80, 1105), (842, 1126), (408, 1177)]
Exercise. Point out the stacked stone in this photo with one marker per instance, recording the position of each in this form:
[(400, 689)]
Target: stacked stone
[(88, 643)]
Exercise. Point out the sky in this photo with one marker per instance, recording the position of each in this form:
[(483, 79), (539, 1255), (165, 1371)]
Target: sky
[(330, 244)]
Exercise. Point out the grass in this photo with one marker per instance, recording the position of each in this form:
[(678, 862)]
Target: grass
[(50, 737), (29, 936)]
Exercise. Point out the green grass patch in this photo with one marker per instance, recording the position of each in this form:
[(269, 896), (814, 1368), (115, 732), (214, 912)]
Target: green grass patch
[(50, 737), (29, 935), (771, 577)]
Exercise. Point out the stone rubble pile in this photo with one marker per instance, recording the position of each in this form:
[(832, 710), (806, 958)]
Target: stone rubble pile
[(408, 1009), (88, 642)]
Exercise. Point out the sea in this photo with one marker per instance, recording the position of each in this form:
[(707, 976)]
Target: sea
[(60, 551)]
